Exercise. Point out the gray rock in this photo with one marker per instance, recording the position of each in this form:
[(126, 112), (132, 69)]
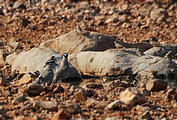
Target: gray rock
[(143, 46), (158, 14), (50, 105), (157, 67), (78, 40), (37, 59), (98, 18), (93, 103), (102, 63), (168, 51), (116, 62), (112, 118), (54, 1), (123, 18), (11, 58), (156, 85), (33, 60), (19, 4), (125, 25), (114, 105), (72, 108), (111, 19), (33, 2), (124, 7)]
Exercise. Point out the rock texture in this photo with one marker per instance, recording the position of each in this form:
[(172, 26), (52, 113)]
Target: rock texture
[(33, 60), (168, 51), (156, 85), (103, 63), (78, 40), (81, 95), (114, 105), (51, 105), (36, 60), (34, 89), (131, 96), (116, 62)]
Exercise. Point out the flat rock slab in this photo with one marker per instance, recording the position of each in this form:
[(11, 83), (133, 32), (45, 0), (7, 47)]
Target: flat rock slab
[(35, 60), (116, 62), (168, 51), (77, 41), (103, 63)]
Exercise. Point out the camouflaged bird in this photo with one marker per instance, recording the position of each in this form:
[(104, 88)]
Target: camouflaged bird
[(62, 71), (47, 73)]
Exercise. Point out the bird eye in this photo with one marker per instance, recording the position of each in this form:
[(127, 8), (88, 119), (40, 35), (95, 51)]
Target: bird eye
[(53, 57), (65, 54)]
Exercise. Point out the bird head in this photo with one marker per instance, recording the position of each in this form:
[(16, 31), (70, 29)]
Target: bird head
[(65, 55), (50, 61)]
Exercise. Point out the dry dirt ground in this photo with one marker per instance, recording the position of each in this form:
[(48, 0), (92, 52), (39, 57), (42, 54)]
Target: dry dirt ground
[(130, 21)]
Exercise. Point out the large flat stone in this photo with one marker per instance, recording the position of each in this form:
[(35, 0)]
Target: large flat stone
[(77, 41)]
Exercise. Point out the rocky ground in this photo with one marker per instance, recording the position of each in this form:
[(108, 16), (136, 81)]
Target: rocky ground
[(25, 25)]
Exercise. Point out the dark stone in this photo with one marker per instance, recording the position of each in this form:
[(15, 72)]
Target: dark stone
[(1, 11), (25, 22), (98, 86)]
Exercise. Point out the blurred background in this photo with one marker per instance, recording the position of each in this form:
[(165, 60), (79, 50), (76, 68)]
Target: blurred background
[(30, 22)]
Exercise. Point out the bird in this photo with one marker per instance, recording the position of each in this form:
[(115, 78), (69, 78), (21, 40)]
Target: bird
[(47, 73), (62, 71), (51, 60)]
